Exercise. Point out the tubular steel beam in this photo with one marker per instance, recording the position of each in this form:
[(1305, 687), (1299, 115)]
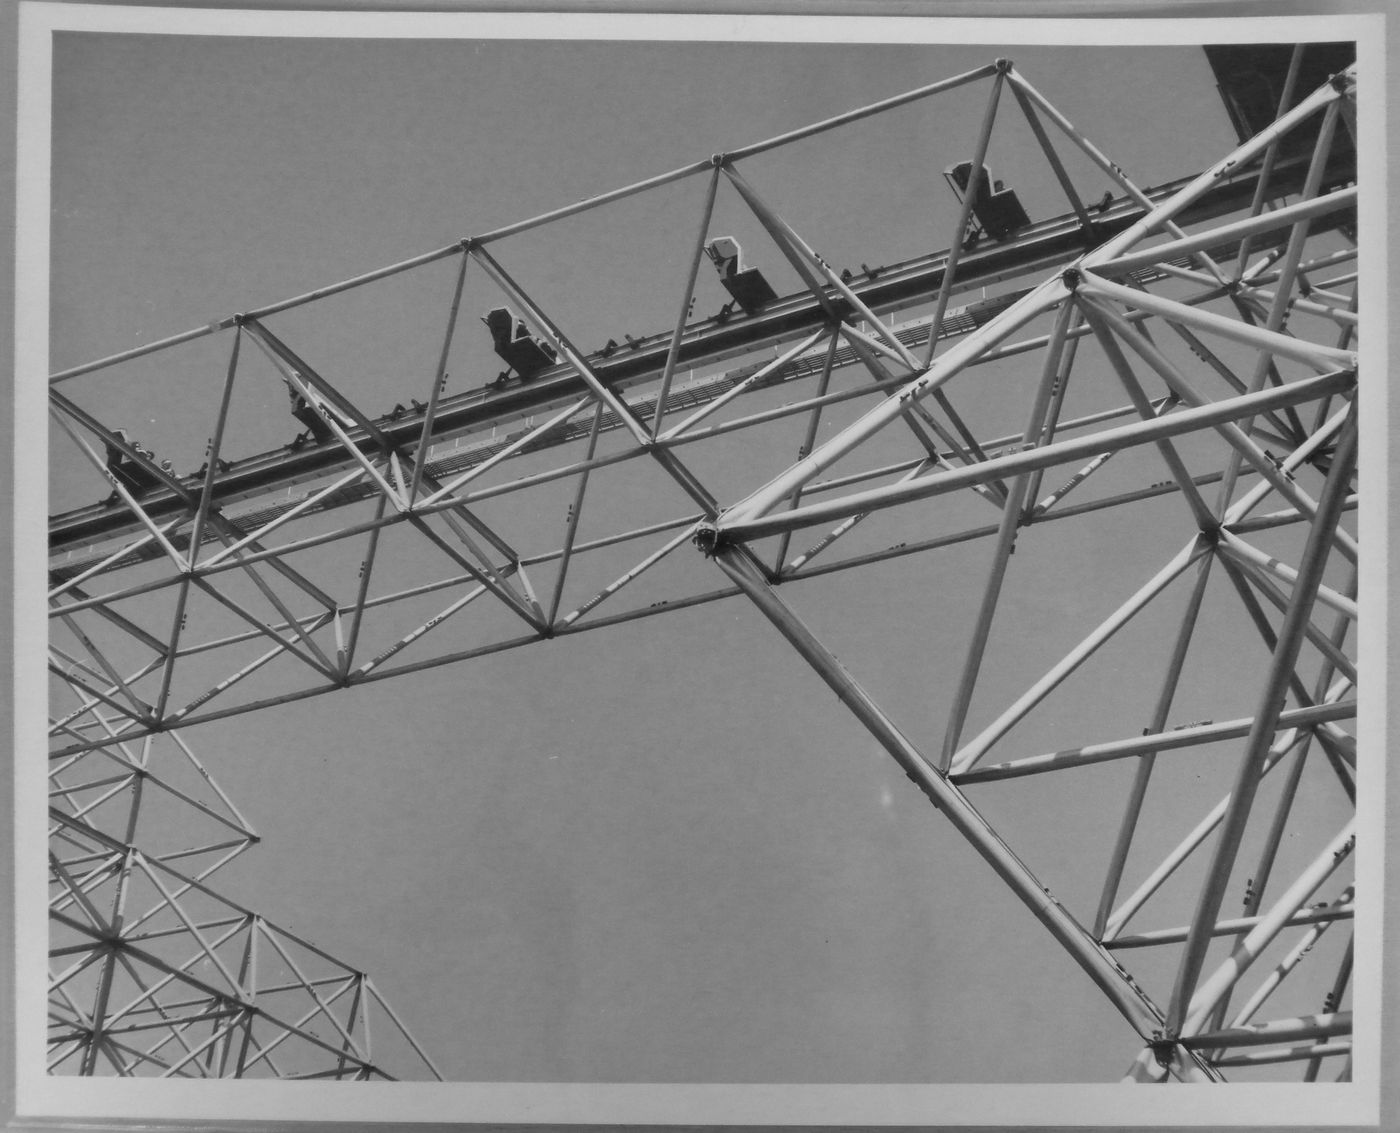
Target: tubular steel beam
[(1320, 358), (1233, 926), (420, 458), (1237, 437), (1248, 555), (1279, 309), (1274, 1031), (968, 755), (1288, 963), (545, 327), (974, 185), (1287, 796), (1188, 845), (1013, 516), (1247, 951), (673, 354), (1155, 217), (866, 111), (1290, 82), (1185, 1006), (1164, 214), (1142, 776), (1313, 1051), (1154, 742), (1281, 217), (810, 267), (814, 418), (1037, 301), (571, 524), (1205, 520)]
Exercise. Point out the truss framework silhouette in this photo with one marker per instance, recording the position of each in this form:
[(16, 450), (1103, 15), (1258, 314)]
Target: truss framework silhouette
[(1225, 318)]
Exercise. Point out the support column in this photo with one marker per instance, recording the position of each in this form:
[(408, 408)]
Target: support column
[(1271, 702)]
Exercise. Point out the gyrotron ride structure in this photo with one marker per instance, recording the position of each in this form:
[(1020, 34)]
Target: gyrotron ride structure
[(1180, 356)]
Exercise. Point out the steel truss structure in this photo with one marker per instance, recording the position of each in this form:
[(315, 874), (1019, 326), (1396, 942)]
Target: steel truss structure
[(1204, 333)]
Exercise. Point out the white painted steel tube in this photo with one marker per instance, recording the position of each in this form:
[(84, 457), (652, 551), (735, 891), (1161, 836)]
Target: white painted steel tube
[(1267, 222), (1321, 358), (1042, 298), (1276, 1030), (1222, 168)]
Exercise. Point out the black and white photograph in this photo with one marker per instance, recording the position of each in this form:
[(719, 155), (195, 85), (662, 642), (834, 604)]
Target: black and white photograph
[(747, 567)]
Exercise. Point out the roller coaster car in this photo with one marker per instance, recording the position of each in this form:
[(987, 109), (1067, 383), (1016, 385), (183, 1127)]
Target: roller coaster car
[(746, 286), (127, 471), (515, 346), (303, 412), (997, 209)]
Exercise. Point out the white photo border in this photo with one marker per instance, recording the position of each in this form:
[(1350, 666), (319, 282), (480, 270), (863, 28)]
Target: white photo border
[(48, 1101)]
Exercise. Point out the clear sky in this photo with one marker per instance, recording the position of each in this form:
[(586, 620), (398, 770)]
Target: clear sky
[(660, 852)]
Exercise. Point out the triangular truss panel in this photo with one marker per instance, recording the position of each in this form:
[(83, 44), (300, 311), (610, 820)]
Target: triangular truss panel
[(1161, 381)]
